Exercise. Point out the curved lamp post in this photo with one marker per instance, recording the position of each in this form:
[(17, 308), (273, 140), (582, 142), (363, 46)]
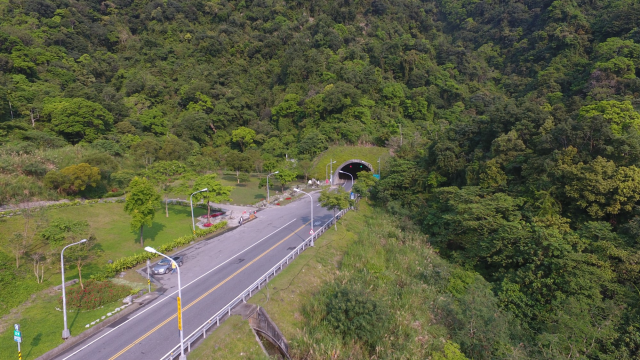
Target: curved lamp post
[(326, 176), (154, 251), (193, 220), (66, 333), (273, 173), (349, 175), (310, 197)]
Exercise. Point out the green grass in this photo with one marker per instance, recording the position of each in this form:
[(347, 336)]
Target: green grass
[(41, 325), (244, 193), (234, 339), (110, 224), (341, 154)]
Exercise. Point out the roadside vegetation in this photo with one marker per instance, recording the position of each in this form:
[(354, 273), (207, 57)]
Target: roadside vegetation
[(376, 288), (513, 125)]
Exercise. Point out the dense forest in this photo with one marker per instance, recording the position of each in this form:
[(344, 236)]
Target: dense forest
[(520, 150)]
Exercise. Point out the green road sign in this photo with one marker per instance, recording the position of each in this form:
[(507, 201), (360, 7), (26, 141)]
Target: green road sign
[(17, 336)]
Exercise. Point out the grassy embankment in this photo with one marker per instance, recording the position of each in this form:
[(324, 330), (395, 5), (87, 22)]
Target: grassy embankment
[(424, 306), (341, 154)]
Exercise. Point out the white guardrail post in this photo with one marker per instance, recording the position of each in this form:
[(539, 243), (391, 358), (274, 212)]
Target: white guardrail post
[(215, 319)]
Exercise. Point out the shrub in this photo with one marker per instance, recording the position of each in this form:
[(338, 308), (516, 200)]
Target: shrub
[(355, 315), (94, 294)]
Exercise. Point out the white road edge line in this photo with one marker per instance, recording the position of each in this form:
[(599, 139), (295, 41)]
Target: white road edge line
[(168, 296)]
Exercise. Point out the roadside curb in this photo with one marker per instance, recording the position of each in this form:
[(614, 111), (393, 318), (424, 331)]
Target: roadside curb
[(74, 340)]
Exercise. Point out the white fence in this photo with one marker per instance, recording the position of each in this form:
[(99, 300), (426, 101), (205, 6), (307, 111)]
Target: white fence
[(221, 315)]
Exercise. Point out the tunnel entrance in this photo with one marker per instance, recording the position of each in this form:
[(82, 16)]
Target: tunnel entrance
[(352, 167)]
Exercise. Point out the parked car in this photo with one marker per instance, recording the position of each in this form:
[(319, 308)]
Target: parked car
[(164, 265)]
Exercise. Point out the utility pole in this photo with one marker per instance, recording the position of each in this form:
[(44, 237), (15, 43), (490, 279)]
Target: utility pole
[(331, 173)]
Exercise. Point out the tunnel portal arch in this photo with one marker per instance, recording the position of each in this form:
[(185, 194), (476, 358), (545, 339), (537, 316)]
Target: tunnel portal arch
[(353, 167)]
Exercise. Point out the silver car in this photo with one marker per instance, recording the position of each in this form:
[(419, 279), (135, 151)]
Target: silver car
[(164, 266)]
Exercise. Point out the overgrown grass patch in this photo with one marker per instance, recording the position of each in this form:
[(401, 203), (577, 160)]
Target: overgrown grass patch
[(233, 340)]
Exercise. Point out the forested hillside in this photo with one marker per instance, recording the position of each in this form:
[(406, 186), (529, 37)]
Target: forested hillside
[(520, 155)]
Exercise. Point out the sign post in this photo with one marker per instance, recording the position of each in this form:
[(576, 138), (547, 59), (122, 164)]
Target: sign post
[(179, 314), (148, 275), (17, 337)]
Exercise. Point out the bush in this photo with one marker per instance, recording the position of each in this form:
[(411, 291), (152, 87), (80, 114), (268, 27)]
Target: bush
[(355, 315), (94, 294)]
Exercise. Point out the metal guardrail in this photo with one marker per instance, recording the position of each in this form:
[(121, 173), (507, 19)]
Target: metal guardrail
[(225, 312)]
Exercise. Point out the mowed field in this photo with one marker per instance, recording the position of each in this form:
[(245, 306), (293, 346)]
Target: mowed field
[(110, 225)]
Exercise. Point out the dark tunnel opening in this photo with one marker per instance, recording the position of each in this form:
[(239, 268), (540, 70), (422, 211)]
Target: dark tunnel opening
[(352, 168)]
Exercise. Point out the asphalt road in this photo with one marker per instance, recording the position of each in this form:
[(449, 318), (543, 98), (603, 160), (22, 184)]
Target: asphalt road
[(214, 272)]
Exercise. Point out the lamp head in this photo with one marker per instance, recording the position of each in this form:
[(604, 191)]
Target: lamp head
[(296, 190), (83, 240), (276, 172), (150, 249), (205, 189)]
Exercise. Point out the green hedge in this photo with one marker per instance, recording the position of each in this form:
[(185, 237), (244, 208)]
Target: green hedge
[(129, 262)]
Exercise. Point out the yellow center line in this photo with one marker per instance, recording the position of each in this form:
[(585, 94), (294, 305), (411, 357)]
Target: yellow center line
[(203, 295)]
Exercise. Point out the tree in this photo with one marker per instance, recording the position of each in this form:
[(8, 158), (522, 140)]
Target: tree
[(147, 150), (80, 176), (215, 191), (154, 121), (620, 115), (305, 167), (243, 136), (174, 149), (122, 178), (238, 162), (334, 200), (162, 173), (82, 254), (141, 204), (365, 181), (244, 178), (601, 187), (285, 176), (18, 244), (78, 119)]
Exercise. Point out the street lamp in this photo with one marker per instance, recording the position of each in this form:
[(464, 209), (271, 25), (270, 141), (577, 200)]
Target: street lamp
[(66, 333), (378, 168), (193, 221), (349, 175), (154, 251), (309, 195), (268, 185), (326, 176)]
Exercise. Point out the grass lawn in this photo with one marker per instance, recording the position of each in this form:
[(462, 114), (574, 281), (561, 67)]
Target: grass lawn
[(41, 325), (244, 193), (341, 154), (110, 224), (232, 340)]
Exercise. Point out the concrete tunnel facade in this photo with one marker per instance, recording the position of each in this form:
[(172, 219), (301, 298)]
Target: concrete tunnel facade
[(352, 167)]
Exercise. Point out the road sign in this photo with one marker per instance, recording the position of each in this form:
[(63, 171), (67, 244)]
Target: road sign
[(179, 315), (376, 176), (17, 335)]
